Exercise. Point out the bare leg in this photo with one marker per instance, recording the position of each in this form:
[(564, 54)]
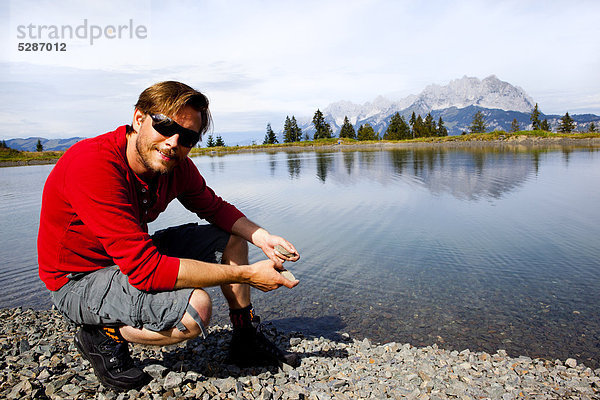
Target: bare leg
[(236, 253), (200, 300), (237, 296)]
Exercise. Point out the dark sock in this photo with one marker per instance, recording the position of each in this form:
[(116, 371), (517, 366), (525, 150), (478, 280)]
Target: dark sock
[(242, 317), (113, 333)]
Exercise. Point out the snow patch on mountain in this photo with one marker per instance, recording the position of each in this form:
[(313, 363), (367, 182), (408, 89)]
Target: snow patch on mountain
[(490, 92)]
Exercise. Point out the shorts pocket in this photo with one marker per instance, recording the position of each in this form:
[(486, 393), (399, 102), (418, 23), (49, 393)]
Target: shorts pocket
[(97, 288)]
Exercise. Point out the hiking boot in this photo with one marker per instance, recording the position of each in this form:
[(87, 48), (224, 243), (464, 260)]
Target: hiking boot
[(110, 359), (250, 347)]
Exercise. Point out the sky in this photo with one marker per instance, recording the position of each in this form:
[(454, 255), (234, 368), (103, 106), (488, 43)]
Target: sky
[(259, 61)]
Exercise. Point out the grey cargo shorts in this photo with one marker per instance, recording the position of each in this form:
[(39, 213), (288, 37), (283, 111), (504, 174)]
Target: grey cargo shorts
[(106, 298)]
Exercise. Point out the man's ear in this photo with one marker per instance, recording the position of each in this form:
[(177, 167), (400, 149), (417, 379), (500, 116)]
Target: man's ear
[(138, 118)]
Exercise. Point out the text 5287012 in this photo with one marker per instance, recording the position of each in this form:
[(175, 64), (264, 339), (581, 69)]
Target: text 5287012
[(42, 46)]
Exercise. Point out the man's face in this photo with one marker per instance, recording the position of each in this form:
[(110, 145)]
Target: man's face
[(158, 154)]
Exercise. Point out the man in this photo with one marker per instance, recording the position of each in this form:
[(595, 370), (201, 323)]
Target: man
[(105, 272)]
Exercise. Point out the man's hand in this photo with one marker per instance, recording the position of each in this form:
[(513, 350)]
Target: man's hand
[(268, 246), (265, 241), (264, 275)]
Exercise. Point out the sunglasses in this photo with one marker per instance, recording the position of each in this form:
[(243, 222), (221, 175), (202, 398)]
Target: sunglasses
[(167, 127)]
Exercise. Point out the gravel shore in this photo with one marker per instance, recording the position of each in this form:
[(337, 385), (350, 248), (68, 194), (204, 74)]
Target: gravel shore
[(40, 361)]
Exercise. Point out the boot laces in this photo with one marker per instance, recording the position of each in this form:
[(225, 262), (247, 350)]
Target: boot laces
[(120, 359)]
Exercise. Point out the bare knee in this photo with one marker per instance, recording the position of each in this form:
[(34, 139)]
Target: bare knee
[(201, 302), (236, 251)]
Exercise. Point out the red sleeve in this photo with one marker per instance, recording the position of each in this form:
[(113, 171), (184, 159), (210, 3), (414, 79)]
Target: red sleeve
[(202, 200), (99, 191)]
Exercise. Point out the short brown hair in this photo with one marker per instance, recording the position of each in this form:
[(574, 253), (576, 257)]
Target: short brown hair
[(170, 97)]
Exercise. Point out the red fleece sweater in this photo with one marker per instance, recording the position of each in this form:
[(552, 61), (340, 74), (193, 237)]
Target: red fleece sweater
[(95, 213)]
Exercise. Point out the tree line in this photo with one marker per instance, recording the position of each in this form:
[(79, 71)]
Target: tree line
[(398, 129), (566, 125)]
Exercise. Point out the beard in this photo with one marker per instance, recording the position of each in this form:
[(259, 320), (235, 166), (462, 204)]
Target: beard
[(146, 154)]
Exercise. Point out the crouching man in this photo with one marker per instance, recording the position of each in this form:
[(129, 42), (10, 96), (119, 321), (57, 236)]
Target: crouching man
[(121, 285)]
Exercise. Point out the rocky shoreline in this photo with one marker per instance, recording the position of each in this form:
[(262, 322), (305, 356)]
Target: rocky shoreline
[(39, 361)]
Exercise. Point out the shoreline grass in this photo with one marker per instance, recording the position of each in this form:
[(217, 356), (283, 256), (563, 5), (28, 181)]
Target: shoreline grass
[(472, 137), (9, 157), (12, 157)]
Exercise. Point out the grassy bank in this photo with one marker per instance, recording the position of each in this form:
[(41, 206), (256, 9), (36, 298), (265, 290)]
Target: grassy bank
[(481, 137), (9, 157), (15, 157)]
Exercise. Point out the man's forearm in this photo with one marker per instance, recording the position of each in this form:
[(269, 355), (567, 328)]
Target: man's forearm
[(199, 274), (261, 275), (248, 230)]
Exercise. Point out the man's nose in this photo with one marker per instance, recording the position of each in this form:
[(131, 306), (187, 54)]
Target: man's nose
[(173, 141)]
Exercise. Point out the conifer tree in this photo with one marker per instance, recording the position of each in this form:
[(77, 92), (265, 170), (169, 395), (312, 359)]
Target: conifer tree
[(441, 130), (347, 130), (296, 130), (219, 142), (591, 128), (210, 141), (545, 126), (418, 127), (39, 146), (514, 126), (478, 124), (3, 145), (567, 125), (322, 128), (366, 132), (430, 128), (535, 118), (270, 137), (398, 129), (288, 134)]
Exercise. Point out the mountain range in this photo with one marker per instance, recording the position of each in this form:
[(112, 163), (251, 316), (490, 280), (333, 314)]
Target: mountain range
[(30, 144), (456, 102)]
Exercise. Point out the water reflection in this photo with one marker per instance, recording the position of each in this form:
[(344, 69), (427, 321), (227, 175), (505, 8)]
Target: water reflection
[(324, 164), (348, 157), (472, 174), (272, 163), (294, 163)]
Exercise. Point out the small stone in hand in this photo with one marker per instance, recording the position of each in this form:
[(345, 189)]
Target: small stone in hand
[(281, 250), (288, 275)]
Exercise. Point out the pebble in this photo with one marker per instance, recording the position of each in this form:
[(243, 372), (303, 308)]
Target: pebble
[(283, 251), (288, 275), (38, 360)]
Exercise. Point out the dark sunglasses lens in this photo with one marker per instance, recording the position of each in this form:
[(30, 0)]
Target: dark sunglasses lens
[(187, 137), (165, 129)]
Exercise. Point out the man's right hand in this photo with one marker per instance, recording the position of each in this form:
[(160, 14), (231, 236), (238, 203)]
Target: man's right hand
[(264, 276)]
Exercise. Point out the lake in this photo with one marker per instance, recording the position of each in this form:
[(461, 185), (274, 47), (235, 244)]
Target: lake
[(482, 248)]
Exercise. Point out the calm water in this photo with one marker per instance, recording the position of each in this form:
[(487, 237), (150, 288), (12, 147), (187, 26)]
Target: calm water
[(478, 249)]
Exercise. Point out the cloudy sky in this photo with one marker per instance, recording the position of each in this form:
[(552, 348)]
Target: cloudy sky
[(259, 61)]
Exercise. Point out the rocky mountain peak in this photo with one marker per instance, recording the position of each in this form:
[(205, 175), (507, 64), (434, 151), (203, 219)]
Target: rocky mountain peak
[(490, 92)]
